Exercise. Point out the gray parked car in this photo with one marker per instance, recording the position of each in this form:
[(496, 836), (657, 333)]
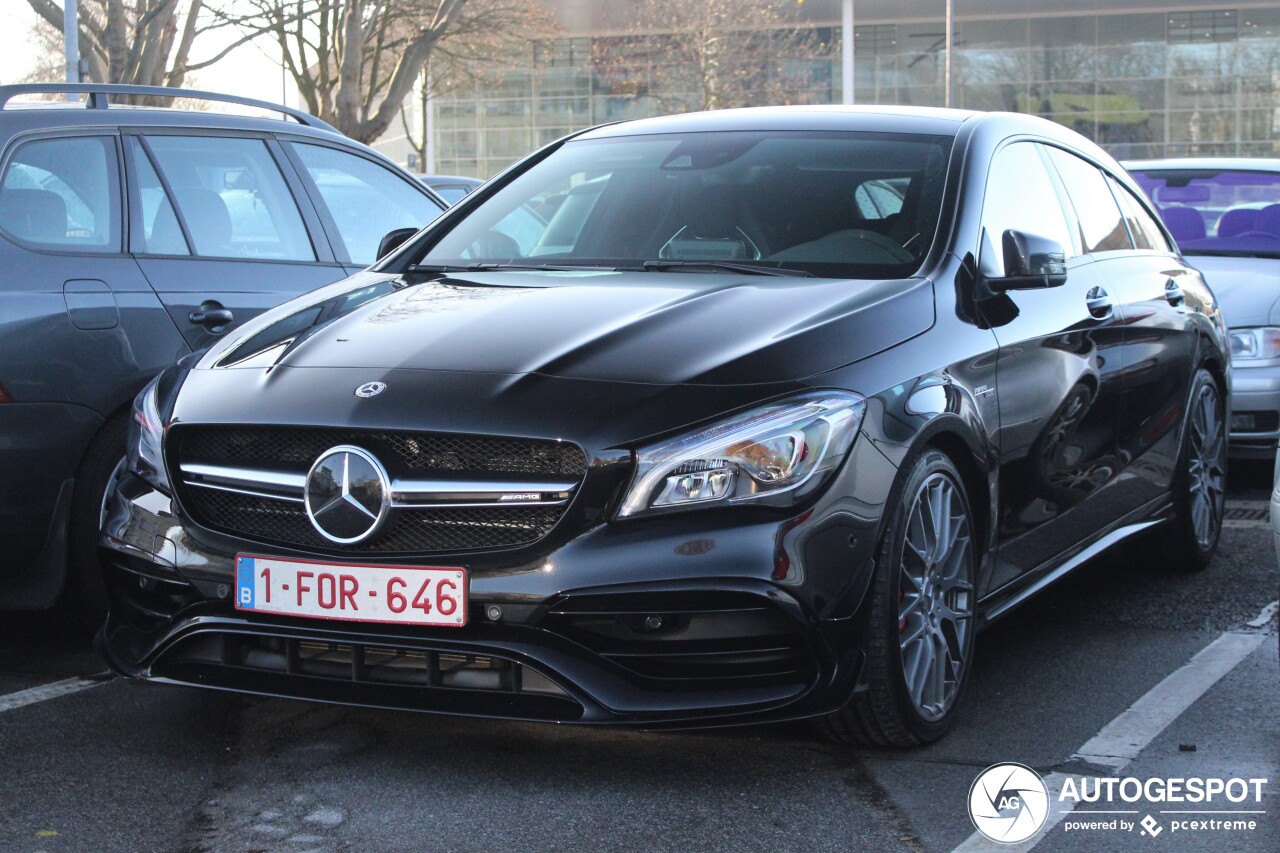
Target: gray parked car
[(451, 188), (129, 238), (1225, 215)]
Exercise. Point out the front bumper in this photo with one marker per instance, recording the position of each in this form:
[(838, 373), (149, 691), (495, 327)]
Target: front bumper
[(1255, 411), (571, 643)]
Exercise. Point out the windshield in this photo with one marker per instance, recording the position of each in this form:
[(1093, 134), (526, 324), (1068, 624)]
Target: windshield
[(1218, 212), (834, 205)]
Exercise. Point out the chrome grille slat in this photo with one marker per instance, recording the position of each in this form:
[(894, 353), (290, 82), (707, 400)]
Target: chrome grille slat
[(422, 494)]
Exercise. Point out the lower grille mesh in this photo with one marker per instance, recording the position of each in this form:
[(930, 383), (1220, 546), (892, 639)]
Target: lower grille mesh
[(376, 674), (408, 530)]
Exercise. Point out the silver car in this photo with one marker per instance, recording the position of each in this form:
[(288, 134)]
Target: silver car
[(1225, 215)]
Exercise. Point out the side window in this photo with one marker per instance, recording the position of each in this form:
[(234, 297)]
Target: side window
[(365, 200), (63, 194), (1101, 226), (231, 197), (1142, 227), (1020, 196), (156, 231)]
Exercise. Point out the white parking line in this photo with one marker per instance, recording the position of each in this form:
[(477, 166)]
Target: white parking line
[(1123, 738), (1268, 613), (31, 696)]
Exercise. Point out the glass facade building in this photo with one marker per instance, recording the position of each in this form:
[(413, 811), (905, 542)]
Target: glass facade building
[(1144, 78)]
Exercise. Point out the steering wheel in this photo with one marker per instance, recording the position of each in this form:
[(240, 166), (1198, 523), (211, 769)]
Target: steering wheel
[(494, 244)]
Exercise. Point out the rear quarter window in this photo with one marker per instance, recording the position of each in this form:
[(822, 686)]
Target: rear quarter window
[(63, 194)]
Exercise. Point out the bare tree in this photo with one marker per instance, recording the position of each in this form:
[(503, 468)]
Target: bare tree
[(49, 60), (712, 54), (356, 61), (143, 42)]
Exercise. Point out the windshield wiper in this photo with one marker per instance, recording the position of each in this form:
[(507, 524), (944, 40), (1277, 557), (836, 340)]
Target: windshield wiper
[(487, 266), (750, 269), (482, 266)]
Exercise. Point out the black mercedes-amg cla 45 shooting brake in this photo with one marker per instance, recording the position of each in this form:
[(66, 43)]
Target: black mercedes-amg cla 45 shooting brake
[(717, 418)]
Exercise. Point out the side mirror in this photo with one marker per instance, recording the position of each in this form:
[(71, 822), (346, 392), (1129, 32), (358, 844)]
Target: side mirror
[(394, 240), (1030, 262)]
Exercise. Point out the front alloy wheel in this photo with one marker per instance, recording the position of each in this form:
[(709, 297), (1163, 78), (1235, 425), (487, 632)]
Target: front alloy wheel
[(919, 634), (935, 594)]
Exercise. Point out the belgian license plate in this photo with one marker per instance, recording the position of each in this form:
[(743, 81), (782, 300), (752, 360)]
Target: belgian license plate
[(416, 595)]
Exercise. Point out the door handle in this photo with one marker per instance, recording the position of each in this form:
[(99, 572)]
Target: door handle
[(213, 316), (1173, 293), (1099, 303)]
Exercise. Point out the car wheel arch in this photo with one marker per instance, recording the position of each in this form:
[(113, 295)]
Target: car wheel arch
[(955, 437)]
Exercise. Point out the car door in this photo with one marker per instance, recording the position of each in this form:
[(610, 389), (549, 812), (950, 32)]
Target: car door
[(1158, 291), (1147, 279), (80, 329), (221, 229), (1057, 376), (360, 199)]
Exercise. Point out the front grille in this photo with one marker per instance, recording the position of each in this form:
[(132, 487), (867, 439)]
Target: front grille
[(258, 515), (408, 530)]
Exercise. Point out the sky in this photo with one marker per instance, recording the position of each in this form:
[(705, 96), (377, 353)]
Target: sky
[(243, 72)]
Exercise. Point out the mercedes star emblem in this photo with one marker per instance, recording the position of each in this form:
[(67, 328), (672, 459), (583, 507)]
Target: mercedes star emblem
[(348, 495), (371, 389)]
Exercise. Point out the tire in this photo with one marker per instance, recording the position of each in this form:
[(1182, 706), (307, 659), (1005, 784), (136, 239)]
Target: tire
[(1187, 542), (85, 596), (909, 618)]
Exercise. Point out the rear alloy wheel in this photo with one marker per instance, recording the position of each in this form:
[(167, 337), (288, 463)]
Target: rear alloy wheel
[(919, 637), (1187, 543)]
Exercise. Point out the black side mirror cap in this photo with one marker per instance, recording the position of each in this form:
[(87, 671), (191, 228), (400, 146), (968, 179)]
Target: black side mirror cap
[(1030, 262), (394, 240)]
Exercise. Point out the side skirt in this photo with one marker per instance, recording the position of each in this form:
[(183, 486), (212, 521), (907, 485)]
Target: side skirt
[(1008, 597)]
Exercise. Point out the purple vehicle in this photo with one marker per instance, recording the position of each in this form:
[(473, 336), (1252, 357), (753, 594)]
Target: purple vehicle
[(1225, 216)]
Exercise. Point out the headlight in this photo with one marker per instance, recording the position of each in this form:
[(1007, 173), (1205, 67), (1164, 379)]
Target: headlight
[(775, 455), (146, 435), (1252, 344)]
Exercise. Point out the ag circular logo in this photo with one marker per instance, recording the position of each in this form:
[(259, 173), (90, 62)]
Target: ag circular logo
[(371, 389), (1008, 803), (348, 495)]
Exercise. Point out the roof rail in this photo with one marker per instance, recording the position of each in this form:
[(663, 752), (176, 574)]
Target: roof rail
[(98, 93)]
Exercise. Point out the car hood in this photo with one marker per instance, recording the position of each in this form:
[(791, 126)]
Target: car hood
[(1247, 289), (657, 327)]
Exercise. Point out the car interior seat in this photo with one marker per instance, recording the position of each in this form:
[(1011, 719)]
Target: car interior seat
[(1185, 223), (1237, 221), (1269, 220), (208, 219), (166, 235), (36, 215)]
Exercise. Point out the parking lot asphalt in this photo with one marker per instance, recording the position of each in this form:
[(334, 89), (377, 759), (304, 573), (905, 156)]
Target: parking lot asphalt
[(125, 766)]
